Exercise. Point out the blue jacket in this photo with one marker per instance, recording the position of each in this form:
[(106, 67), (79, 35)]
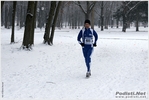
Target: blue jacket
[(87, 35)]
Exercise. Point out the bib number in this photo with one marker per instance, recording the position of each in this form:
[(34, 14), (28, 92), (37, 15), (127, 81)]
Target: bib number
[(88, 40)]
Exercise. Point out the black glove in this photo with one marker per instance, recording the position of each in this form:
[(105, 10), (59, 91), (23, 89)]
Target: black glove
[(94, 45), (82, 44)]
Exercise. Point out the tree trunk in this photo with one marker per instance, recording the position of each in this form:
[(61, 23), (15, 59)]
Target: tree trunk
[(10, 17), (102, 16), (124, 23), (28, 33), (13, 21), (137, 21), (2, 17), (49, 21), (72, 19), (61, 19), (34, 23), (128, 23), (112, 22), (2, 3), (79, 20), (92, 19), (75, 19), (99, 23), (54, 22), (21, 17), (87, 14), (6, 16), (117, 25), (18, 13), (106, 22)]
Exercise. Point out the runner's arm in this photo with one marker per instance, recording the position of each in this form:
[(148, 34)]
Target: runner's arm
[(79, 37), (95, 35)]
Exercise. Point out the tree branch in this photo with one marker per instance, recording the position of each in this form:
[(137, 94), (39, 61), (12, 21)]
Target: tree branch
[(80, 6), (133, 8), (66, 3), (127, 4), (104, 4), (92, 6)]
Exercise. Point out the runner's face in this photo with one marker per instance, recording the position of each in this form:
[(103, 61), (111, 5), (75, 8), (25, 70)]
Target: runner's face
[(87, 25)]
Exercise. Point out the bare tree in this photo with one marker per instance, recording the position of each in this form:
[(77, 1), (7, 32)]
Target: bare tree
[(54, 22), (6, 16), (49, 21), (137, 21), (21, 17), (13, 21), (2, 3), (34, 22), (28, 33), (10, 7), (2, 17), (102, 16), (92, 18)]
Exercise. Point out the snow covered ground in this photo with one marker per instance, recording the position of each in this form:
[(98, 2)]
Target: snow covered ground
[(119, 63)]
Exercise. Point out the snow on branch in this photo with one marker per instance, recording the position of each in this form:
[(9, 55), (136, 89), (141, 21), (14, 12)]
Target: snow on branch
[(133, 7), (127, 4), (30, 14), (92, 6)]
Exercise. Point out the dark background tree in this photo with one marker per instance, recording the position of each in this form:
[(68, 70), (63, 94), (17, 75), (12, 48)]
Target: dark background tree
[(54, 22), (102, 16), (117, 15), (2, 3), (49, 21), (73, 19), (28, 33), (13, 21), (34, 22)]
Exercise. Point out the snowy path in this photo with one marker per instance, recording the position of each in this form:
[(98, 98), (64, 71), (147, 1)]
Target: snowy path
[(119, 63)]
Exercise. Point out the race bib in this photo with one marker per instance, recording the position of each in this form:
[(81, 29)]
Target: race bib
[(88, 40)]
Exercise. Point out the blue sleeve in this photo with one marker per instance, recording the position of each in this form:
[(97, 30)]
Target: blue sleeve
[(79, 36), (95, 35)]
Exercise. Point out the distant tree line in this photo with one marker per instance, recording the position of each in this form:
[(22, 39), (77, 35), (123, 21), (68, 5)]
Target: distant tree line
[(72, 14), (60, 14)]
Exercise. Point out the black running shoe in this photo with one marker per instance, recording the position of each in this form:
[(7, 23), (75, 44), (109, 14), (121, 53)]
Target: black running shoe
[(88, 74)]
